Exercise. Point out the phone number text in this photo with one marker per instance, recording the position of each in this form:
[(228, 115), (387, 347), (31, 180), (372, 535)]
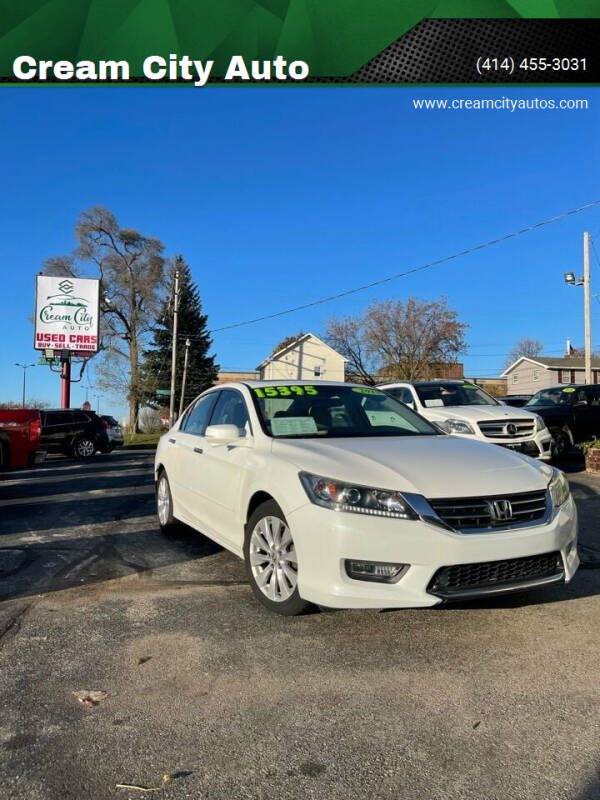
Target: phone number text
[(509, 65)]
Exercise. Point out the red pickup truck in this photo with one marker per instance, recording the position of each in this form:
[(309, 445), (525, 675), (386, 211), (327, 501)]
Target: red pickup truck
[(20, 437)]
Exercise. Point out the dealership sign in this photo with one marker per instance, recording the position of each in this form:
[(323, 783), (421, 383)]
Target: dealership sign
[(66, 314)]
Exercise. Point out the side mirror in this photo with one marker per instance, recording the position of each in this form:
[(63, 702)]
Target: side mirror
[(222, 434)]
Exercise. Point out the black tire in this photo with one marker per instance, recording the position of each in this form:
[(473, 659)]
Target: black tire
[(293, 604), (166, 521), (84, 448), (561, 444)]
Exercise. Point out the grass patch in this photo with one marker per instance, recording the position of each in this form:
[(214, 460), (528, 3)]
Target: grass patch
[(139, 440)]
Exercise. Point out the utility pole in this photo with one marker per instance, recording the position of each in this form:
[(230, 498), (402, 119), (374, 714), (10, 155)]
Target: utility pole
[(24, 367), (185, 363), (586, 301), (174, 351)]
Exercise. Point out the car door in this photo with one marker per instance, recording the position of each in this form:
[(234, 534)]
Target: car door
[(55, 429), (223, 470), (583, 414), (592, 410), (184, 467)]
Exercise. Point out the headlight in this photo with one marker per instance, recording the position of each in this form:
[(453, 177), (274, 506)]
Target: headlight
[(338, 496), (559, 488), (539, 423), (456, 426)]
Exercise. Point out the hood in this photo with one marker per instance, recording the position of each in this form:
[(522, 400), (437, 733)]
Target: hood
[(434, 466), (476, 413)]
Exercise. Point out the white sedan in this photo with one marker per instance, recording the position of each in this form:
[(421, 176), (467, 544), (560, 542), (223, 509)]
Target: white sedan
[(337, 494)]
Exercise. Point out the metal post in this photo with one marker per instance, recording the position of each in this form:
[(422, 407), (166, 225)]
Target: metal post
[(586, 302), (24, 367), (65, 384), (185, 363), (174, 351)]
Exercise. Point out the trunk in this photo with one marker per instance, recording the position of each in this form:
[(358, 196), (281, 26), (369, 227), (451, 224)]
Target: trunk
[(134, 394)]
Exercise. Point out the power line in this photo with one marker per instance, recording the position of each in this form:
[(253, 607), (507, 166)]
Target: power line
[(429, 265)]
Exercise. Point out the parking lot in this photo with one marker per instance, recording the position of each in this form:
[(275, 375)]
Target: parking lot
[(494, 699)]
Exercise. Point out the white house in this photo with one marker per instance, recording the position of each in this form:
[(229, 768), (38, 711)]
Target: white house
[(308, 359), (529, 375)]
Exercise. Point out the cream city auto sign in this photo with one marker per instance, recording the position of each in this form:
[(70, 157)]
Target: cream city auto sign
[(66, 314)]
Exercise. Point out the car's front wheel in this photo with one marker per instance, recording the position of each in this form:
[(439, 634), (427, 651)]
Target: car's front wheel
[(272, 562), (84, 448), (164, 505), (561, 443)]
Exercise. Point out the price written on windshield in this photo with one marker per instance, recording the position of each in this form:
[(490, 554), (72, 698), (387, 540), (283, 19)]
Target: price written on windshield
[(509, 65)]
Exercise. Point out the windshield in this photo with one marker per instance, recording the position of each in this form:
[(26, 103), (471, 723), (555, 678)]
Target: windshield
[(453, 394), (335, 411), (558, 396)]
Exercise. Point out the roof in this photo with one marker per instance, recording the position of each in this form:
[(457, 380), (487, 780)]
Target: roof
[(566, 362), (291, 346)]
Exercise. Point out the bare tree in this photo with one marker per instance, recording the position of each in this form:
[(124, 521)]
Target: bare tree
[(285, 342), (132, 272), (405, 340), (530, 348), (346, 335)]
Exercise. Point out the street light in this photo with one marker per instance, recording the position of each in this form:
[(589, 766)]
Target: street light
[(24, 367)]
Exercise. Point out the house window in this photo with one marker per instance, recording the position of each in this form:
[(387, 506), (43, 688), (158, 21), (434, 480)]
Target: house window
[(536, 374), (317, 371), (564, 376), (572, 376), (516, 377)]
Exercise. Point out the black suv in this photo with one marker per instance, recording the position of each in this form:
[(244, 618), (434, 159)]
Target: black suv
[(572, 414), (74, 432)]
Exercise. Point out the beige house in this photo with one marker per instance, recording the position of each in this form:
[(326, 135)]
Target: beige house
[(529, 375), (235, 377), (306, 359)]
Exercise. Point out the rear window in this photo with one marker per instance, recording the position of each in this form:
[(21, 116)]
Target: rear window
[(58, 418)]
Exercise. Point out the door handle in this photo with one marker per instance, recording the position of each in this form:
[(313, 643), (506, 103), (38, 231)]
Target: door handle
[(198, 450), (172, 441)]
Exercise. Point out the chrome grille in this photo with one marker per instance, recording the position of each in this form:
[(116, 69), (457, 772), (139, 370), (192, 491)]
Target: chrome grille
[(507, 428), (482, 512)]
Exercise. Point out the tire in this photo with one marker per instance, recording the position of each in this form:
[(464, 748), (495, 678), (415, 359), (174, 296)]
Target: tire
[(164, 506), (561, 444), (267, 542), (84, 448)]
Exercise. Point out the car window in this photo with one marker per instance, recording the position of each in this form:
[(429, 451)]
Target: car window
[(401, 393), (557, 396), (196, 419), (80, 417), (59, 418), (453, 394), (335, 411), (593, 397), (231, 410)]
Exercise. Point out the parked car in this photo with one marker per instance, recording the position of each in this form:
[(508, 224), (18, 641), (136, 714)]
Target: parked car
[(339, 495), (114, 432), (20, 438), (74, 432), (572, 414), (464, 409), (515, 400)]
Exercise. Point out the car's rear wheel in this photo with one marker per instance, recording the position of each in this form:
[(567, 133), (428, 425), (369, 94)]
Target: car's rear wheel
[(272, 562), (84, 448), (561, 443), (164, 505)]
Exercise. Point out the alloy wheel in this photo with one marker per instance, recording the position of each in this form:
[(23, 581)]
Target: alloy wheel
[(163, 501), (273, 559), (85, 448)]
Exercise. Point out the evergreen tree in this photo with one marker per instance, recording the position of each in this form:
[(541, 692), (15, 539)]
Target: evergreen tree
[(201, 370)]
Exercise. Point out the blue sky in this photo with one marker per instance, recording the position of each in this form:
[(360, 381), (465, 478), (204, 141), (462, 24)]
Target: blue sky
[(278, 196)]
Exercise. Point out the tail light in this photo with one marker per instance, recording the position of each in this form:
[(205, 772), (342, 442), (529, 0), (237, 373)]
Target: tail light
[(34, 430), (107, 425)]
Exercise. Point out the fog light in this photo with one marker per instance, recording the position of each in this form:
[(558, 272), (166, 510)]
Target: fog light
[(375, 571)]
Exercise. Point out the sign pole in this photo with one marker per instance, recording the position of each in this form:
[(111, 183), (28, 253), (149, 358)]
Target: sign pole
[(65, 384)]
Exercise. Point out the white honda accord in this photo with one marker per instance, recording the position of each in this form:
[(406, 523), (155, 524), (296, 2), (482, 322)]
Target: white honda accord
[(339, 495)]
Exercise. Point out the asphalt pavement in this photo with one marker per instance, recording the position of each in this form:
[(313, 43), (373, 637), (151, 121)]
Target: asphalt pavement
[(495, 699)]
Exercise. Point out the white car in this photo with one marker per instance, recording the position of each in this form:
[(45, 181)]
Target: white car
[(464, 409), (337, 494)]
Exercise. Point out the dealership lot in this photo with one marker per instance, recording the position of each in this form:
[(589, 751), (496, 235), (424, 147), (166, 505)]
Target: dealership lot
[(492, 699)]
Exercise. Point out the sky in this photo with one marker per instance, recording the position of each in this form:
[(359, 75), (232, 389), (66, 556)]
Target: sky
[(278, 196)]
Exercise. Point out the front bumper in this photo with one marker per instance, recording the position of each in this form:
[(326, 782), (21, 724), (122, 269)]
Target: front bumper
[(538, 446), (324, 539)]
